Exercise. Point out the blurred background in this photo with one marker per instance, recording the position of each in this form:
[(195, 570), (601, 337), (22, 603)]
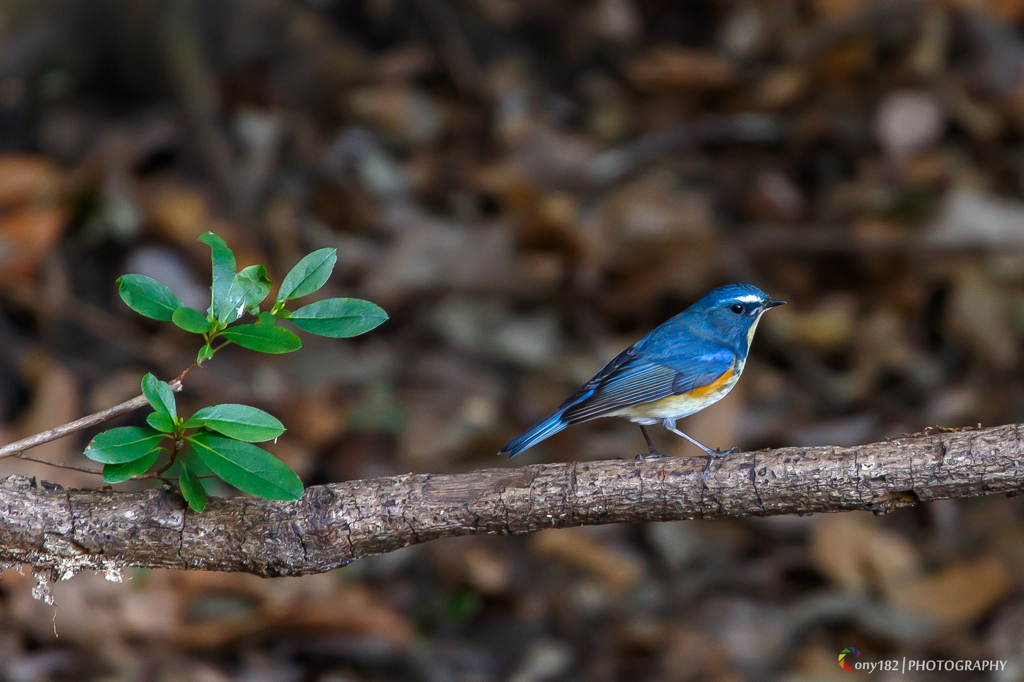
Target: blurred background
[(527, 188)]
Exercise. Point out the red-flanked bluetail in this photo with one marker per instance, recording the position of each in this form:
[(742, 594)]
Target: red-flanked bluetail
[(684, 365)]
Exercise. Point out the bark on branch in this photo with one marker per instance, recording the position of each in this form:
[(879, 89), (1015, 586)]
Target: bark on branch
[(61, 532)]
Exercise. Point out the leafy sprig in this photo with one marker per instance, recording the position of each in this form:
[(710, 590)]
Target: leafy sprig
[(235, 294), (219, 439)]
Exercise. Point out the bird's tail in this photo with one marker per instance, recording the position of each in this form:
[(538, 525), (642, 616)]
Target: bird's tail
[(545, 428)]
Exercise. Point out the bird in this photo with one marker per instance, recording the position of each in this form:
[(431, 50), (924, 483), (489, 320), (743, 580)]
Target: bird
[(681, 367)]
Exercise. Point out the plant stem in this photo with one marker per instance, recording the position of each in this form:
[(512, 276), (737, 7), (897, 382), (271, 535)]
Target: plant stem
[(170, 462)]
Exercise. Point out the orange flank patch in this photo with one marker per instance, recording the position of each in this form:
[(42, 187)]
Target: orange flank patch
[(722, 383), (685, 404)]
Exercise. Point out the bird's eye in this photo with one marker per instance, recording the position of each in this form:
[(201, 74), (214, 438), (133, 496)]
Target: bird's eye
[(737, 308)]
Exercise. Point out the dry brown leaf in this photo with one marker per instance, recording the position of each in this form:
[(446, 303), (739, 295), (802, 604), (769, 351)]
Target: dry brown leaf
[(959, 594), (980, 314), (315, 418), (179, 212), (28, 178), (398, 110), (298, 457), (851, 58), (856, 552), (781, 87), (322, 604), (879, 233), (486, 571), (32, 214), (693, 655), (828, 325), (55, 401), (652, 212), (670, 67), (353, 610), (471, 561), (576, 548), (154, 613), (26, 235)]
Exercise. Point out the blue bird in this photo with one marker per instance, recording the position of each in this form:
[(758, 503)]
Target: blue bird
[(684, 365)]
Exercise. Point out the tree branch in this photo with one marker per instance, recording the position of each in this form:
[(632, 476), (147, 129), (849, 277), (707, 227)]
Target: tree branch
[(62, 532)]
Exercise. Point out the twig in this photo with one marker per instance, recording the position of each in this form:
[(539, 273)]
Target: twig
[(184, 373), (19, 446), (99, 472), (60, 465), (334, 524)]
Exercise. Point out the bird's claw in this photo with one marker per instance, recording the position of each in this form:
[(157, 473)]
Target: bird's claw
[(643, 456), (712, 456)]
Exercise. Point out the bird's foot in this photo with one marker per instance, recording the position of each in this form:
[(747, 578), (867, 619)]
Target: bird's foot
[(712, 456), (643, 456)]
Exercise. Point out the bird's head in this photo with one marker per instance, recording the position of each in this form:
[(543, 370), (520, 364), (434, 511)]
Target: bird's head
[(730, 314)]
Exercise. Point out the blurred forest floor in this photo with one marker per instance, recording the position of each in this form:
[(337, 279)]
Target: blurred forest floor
[(527, 188)]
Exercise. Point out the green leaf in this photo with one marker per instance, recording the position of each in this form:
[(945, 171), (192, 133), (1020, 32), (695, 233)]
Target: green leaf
[(338, 317), (148, 297), (187, 455), (308, 275), (247, 467), (264, 338), (119, 473), (159, 395), (123, 444), (191, 489), (238, 421), (191, 320), (248, 289), (198, 466), (205, 353), (223, 271), (160, 422)]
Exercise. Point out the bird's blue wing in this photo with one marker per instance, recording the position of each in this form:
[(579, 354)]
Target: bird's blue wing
[(701, 370), (641, 378)]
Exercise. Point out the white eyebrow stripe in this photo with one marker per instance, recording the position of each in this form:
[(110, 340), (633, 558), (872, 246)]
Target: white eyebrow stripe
[(749, 298)]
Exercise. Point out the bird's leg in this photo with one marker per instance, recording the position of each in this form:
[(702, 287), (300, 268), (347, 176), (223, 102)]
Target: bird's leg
[(712, 454), (652, 453)]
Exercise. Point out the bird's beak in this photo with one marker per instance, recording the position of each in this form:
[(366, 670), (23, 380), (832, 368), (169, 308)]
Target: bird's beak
[(771, 303)]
